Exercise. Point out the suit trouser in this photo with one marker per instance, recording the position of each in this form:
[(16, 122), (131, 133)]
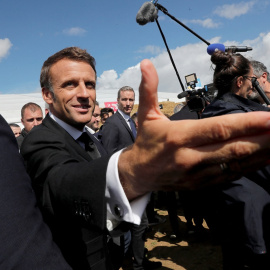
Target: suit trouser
[(138, 241)]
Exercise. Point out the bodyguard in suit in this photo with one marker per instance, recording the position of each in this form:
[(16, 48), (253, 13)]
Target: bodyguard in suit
[(25, 240), (82, 193), (119, 130)]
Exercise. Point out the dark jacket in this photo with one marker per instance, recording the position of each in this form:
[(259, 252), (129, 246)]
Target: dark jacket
[(70, 188), (230, 103), (25, 240), (21, 137), (244, 203), (116, 134)]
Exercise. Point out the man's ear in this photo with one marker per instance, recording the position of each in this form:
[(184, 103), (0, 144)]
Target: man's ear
[(264, 77), (239, 81), (47, 95)]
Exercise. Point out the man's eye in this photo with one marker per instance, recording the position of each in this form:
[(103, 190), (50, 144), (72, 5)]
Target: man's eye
[(90, 85), (67, 84)]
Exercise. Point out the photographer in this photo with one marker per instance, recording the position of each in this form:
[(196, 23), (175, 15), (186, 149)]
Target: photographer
[(241, 213)]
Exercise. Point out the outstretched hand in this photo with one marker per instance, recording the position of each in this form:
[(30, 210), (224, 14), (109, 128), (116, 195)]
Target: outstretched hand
[(186, 154)]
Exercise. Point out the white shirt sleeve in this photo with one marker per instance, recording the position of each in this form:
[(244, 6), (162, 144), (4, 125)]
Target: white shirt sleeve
[(118, 207)]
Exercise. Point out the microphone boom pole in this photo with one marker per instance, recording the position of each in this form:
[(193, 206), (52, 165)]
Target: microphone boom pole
[(165, 11), (168, 50)]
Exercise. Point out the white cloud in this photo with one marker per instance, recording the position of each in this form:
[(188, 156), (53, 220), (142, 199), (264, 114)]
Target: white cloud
[(5, 46), (191, 58), (109, 80), (261, 49), (234, 10), (151, 49), (74, 31), (207, 23)]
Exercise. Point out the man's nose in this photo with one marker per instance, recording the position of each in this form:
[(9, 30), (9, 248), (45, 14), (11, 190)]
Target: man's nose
[(83, 92), (35, 122)]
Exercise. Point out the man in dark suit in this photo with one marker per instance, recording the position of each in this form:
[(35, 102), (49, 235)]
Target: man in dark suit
[(74, 185), (119, 130), (26, 241)]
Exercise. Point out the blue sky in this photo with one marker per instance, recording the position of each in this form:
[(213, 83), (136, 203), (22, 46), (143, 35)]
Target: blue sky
[(31, 31)]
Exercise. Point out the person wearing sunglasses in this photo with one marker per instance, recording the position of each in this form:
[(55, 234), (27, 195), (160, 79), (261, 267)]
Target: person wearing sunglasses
[(240, 209)]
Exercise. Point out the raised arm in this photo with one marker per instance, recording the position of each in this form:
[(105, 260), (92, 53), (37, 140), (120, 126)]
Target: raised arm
[(189, 154)]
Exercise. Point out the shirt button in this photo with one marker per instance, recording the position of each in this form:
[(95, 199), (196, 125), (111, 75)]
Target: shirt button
[(118, 211)]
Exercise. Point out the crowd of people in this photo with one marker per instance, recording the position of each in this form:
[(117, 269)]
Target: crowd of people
[(93, 170)]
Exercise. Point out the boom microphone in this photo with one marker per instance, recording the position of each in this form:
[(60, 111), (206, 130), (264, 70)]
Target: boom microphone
[(147, 13), (220, 47)]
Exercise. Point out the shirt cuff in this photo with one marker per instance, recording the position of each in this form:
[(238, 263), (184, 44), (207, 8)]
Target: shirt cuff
[(118, 207)]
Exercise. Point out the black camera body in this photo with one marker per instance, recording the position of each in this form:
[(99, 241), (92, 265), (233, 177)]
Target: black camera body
[(199, 98)]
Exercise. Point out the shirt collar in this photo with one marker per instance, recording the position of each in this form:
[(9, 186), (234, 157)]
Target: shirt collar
[(73, 132), (90, 130), (125, 116)]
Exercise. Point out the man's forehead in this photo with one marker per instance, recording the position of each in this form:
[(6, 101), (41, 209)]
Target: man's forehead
[(67, 64), (32, 111), (126, 93)]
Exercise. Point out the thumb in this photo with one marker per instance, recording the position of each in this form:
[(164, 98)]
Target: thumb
[(148, 98)]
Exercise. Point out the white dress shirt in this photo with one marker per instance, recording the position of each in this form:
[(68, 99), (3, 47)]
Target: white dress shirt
[(126, 117), (118, 207)]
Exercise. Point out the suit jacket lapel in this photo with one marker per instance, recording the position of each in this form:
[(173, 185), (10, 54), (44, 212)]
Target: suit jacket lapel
[(51, 124), (123, 121)]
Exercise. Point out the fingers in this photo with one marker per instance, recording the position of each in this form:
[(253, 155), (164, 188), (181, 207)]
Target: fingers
[(148, 100), (221, 129)]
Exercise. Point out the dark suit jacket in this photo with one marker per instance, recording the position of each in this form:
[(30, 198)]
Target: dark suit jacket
[(21, 137), (70, 188), (116, 134), (25, 240)]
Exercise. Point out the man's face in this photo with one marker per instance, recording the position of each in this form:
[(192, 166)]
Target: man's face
[(74, 96), (31, 119), (105, 116), (95, 120), (126, 101), (16, 131), (265, 85)]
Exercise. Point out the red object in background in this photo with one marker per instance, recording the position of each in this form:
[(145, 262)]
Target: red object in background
[(112, 105)]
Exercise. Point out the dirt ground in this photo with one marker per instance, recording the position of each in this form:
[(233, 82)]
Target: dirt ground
[(191, 252)]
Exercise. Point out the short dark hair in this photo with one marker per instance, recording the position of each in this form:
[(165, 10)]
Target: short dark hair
[(106, 110), (31, 106), (72, 53)]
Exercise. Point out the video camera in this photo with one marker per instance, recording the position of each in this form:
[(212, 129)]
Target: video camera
[(197, 98)]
